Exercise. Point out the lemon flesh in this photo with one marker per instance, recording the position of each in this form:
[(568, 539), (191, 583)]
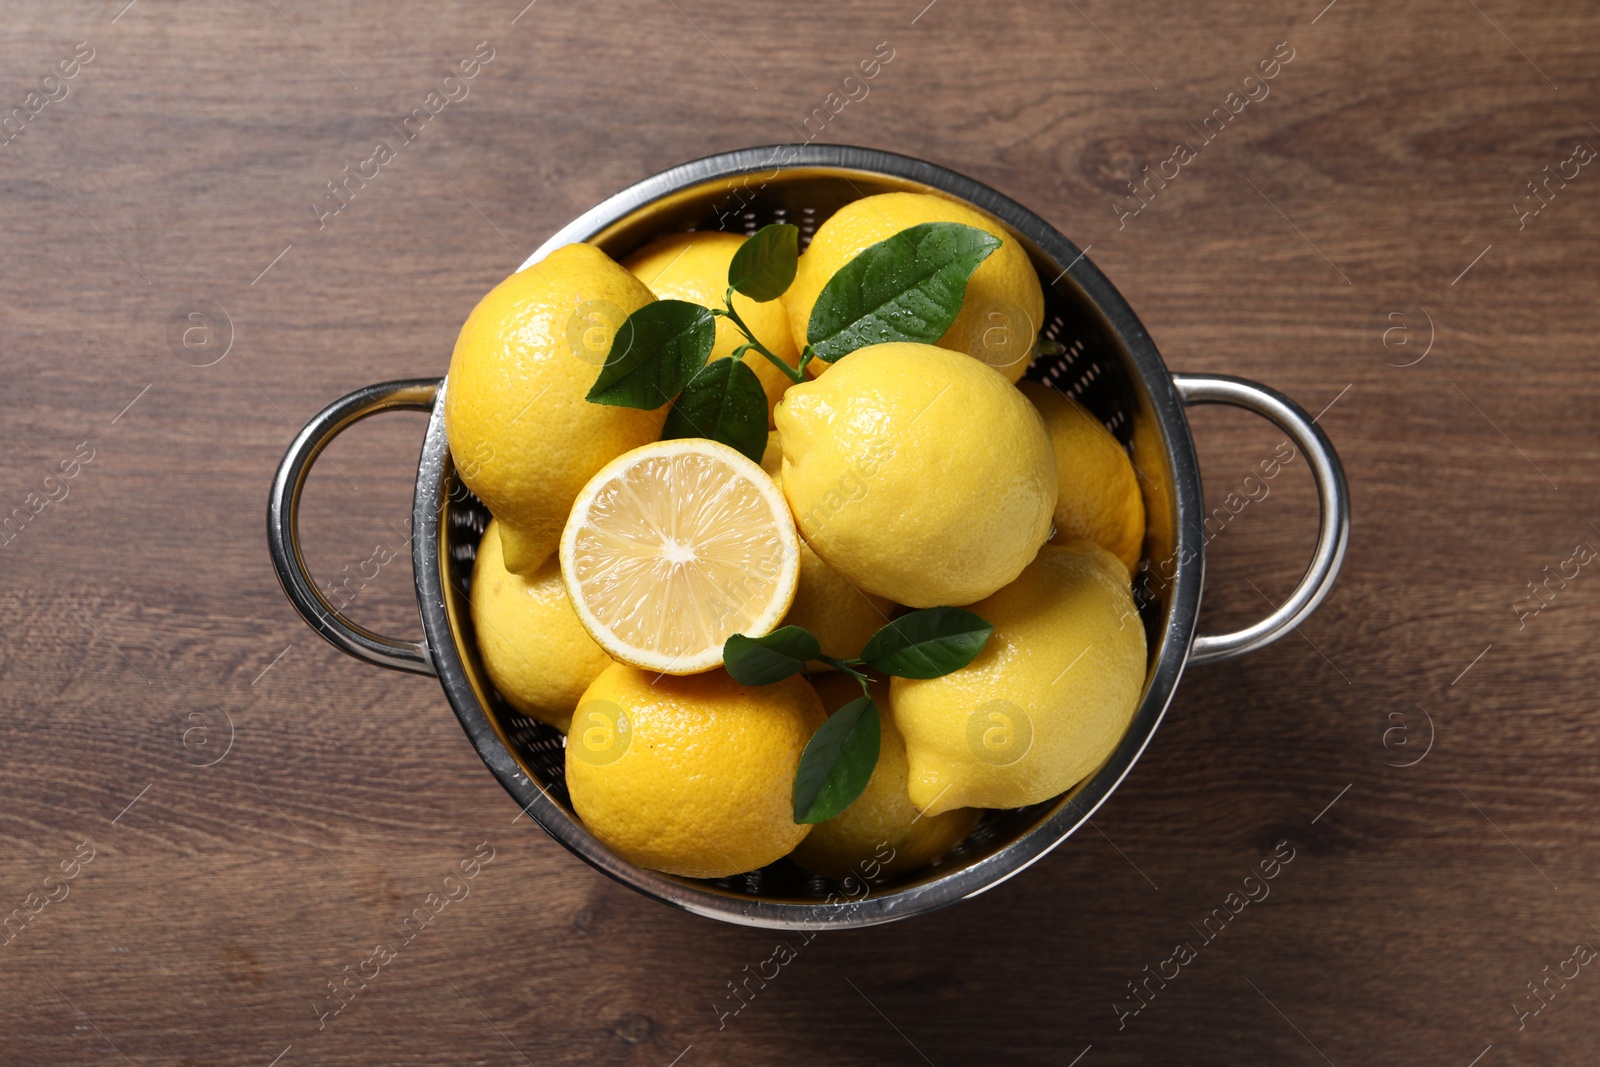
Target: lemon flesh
[(674, 547)]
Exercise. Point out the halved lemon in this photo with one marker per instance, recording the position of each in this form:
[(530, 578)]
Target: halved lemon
[(673, 548)]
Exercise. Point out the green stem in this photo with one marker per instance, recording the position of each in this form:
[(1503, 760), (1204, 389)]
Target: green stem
[(848, 667), (777, 361), (866, 691)]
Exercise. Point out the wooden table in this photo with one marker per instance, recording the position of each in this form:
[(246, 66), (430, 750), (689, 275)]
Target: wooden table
[(259, 809)]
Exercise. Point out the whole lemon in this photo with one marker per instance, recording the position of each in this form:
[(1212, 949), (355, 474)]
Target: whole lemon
[(1002, 313), (692, 775), (521, 434), (1044, 703), (772, 455), (1099, 497), (694, 267), (825, 601), (828, 604), (537, 653), (917, 473), (881, 835)]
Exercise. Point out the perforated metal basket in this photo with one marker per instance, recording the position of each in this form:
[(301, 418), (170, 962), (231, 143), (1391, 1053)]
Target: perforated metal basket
[(1109, 364)]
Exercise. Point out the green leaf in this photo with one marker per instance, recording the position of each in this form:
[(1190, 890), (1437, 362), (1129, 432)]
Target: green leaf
[(837, 762), (724, 401), (656, 351), (907, 288), (764, 660), (764, 265), (927, 644)]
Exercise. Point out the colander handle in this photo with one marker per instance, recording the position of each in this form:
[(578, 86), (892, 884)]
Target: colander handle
[(1333, 494), (283, 523)]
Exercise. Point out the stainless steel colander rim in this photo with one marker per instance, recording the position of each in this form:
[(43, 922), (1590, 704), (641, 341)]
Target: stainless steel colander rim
[(1148, 374)]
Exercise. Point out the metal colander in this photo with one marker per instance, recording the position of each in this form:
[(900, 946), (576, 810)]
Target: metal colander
[(1109, 365)]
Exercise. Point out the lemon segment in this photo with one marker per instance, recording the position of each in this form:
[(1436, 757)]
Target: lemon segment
[(674, 547)]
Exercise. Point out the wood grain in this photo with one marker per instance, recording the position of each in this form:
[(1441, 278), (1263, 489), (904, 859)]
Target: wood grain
[(181, 166)]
